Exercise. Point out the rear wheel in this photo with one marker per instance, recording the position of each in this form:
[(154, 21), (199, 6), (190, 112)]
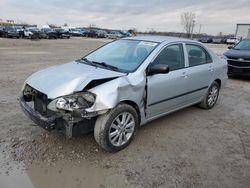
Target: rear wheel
[(115, 129), (211, 97)]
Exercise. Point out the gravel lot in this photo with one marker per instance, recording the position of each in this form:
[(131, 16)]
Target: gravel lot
[(189, 148)]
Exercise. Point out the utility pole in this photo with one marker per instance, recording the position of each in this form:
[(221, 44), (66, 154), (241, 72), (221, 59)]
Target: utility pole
[(200, 29), (193, 24)]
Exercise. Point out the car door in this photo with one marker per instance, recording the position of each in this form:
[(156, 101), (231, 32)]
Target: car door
[(166, 92), (200, 72)]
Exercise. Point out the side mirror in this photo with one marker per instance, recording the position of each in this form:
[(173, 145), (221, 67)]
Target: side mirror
[(158, 69), (230, 47)]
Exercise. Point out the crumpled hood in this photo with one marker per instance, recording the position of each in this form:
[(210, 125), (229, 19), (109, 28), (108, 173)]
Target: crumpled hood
[(68, 78)]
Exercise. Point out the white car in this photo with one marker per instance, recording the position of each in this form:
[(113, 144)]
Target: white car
[(27, 33), (113, 35), (232, 40)]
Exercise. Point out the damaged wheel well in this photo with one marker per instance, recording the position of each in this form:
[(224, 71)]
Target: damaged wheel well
[(135, 106)]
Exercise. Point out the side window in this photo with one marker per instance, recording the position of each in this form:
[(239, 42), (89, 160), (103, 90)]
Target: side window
[(197, 55), (173, 56)]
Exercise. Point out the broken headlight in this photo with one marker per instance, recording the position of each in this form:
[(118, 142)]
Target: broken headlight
[(73, 102)]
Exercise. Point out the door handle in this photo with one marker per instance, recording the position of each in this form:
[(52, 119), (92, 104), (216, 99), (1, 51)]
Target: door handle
[(184, 75), (211, 69)]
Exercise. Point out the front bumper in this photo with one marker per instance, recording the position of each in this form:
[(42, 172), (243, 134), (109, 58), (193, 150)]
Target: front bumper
[(47, 123), (57, 121), (238, 67), (240, 71)]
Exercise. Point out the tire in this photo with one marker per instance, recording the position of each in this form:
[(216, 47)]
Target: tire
[(113, 136), (211, 97)]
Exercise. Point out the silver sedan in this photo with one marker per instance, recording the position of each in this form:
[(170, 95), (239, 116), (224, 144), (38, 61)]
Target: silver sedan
[(123, 85)]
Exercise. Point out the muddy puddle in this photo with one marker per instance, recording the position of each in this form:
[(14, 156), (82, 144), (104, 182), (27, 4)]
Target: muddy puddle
[(63, 175)]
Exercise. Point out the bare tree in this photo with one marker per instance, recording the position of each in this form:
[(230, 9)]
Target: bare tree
[(93, 26), (188, 22)]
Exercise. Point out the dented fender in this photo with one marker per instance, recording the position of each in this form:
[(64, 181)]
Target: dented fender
[(125, 88)]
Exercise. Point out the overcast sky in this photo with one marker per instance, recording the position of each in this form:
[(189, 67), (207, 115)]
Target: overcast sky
[(160, 15)]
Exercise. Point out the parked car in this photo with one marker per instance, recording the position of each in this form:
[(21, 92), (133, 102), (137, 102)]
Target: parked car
[(113, 35), (126, 34), (50, 33), (238, 58), (206, 39), (20, 29), (101, 33), (224, 40), (11, 32), (2, 31), (83, 31), (112, 91), (32, 33), (75, 32), (92, 33), (62, 33), (232, 40), (27, 33), (217, 40)]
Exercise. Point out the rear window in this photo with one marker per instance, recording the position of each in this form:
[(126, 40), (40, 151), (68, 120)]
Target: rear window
[(197, 55)]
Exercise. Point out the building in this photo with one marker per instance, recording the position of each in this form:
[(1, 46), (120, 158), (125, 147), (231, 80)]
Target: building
[(242, 31), (6, 22)]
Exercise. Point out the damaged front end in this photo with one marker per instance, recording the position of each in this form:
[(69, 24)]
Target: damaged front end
[(57, 99), (65, 113)]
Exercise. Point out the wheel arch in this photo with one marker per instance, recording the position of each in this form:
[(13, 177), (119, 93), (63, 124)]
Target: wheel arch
[(134, 105), (218, 81)]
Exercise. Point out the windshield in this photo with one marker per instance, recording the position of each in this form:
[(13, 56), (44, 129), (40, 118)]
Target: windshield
[(243, 45), (126, 55)]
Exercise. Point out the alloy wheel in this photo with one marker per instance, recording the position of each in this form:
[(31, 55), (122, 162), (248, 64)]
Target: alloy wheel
[(121, 129), (213, 95)]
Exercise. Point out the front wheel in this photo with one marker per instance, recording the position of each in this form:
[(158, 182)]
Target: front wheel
[(115, 130), (211, 97)]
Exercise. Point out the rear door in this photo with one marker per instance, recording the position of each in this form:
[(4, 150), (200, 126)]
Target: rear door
[(200, 72), (166, 92)]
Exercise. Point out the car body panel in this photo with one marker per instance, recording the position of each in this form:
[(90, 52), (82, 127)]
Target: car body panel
[(171, 87)]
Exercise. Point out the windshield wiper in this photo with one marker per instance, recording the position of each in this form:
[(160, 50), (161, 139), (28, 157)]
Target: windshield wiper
[(103, 64), (112, 67), (87, 61)]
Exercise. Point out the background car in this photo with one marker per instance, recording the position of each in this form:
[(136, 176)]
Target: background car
[(217, 40), (126, 34), (20, 29), (75, 32), (114, 35), (101, 33), (93, 33), (238, 58), (50, 33), (31, 33), (62, 33), (10, 32), (1, 31), (232, 40), (206, 39)]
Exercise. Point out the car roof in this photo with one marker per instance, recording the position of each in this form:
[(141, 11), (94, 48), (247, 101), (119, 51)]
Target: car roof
[(159, 39)]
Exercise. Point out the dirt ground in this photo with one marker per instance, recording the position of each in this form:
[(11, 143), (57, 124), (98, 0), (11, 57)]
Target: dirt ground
[(189, 148)]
